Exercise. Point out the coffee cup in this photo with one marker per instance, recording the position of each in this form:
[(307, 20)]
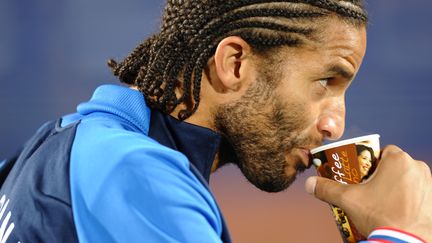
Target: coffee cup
[(349, 161)]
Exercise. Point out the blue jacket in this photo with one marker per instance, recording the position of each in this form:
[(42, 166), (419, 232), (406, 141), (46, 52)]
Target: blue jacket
[(113, 172)]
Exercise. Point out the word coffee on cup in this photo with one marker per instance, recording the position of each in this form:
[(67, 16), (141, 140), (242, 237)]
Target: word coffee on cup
[(348, 161)]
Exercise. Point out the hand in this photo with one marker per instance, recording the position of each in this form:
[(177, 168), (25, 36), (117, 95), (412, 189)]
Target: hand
[(398, 194)]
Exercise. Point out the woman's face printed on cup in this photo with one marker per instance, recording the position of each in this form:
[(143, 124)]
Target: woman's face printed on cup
[(366, 159)]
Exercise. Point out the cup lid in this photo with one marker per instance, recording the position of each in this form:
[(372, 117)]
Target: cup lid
[(344, 142)]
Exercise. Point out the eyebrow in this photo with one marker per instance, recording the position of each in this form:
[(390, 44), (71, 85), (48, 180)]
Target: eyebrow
[(341, 71)]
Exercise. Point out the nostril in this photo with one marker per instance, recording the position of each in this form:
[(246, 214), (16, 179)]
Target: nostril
[(327, 134), (331, 127)]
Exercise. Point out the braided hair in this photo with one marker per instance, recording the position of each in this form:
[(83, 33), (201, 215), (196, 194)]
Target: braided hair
[(174, 58)]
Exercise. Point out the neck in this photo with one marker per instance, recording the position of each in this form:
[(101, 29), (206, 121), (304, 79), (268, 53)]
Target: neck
[(203, 117)]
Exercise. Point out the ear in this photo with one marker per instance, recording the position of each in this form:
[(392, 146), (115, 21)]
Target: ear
[(233, 63)]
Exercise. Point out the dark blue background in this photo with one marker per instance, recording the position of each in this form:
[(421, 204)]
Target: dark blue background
[(53, 54)]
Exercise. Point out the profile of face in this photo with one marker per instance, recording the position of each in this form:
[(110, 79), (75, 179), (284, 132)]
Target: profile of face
[(365, 162), (288, 111)]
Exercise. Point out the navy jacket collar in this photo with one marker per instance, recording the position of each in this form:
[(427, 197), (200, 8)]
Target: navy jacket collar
[(199, 144)]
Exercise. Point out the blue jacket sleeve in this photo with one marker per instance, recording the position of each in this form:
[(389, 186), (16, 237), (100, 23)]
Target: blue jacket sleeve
[(128, 188)]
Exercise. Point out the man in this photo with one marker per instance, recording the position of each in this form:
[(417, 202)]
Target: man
[(255, 83)]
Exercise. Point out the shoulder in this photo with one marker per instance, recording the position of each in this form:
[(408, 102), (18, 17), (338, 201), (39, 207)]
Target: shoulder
[(116, 140), (111, 148), (120, 176)]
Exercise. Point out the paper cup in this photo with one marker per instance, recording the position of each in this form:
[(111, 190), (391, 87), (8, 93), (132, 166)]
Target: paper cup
[(348, 161)]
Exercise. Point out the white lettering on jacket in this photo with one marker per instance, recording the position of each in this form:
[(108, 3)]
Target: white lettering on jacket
[(6, 227)]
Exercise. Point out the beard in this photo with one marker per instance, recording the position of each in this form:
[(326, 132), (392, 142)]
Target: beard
[(263, 133)]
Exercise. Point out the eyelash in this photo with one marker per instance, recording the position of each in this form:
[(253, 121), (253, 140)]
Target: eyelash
[(324, 86), (324, 82)]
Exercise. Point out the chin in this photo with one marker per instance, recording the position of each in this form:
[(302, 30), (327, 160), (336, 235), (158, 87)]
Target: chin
[(277, 185), (294, 165)]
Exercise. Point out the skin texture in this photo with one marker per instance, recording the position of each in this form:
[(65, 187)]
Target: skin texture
[(274, 116), (263, 134)]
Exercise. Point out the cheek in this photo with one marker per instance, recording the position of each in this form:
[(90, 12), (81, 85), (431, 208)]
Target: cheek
[(309, 107), (309, 115), (296, 107), (296, 114)]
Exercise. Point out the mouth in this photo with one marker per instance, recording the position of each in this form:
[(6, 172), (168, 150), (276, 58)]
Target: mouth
[(305, 157)]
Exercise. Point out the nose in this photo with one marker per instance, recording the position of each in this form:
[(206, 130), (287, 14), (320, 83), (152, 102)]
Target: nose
[(331, 124), (369, 164)]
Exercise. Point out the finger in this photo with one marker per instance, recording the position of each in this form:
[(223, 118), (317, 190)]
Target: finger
[(325, 189), (395, 157), (425, 168), (389, 149)]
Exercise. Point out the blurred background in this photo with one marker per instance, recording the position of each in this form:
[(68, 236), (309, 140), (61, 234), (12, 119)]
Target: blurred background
[(53, 54)]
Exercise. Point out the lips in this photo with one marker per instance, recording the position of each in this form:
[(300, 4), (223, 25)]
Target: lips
[(305, 157)]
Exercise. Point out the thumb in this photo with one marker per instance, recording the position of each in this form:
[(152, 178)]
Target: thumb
[(325, 189)]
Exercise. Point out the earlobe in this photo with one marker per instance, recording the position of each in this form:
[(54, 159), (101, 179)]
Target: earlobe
[(231, 62)]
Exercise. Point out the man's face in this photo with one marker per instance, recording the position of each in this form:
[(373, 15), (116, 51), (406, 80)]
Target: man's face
[(290, 110)]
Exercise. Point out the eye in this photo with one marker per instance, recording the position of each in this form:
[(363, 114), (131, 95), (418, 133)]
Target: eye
[(324, 82), (323, 87)]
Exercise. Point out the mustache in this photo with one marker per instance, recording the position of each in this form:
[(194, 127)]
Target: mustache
[(300, 167), (306, 142)]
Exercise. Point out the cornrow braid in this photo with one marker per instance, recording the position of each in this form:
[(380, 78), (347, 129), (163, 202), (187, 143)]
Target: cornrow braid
[(341, 9), (127, 70), (167, 67)]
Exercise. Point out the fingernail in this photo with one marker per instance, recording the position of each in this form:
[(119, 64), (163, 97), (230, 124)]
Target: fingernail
[(310, 185)]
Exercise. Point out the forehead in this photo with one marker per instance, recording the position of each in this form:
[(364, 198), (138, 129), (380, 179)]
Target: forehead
[(337, 44), (342, 38), (365, 153)]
